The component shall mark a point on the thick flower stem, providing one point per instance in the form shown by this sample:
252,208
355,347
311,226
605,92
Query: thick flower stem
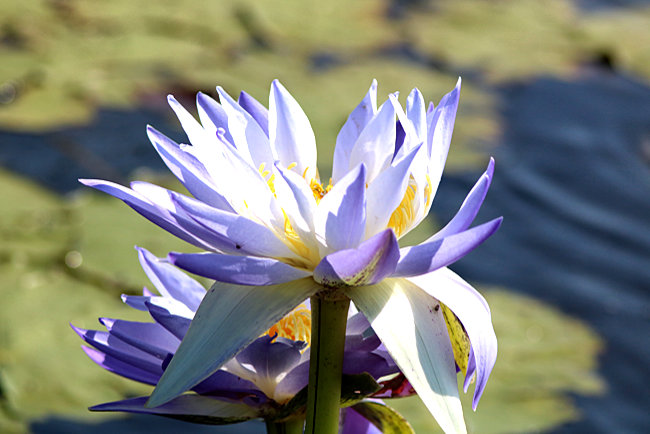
293,426
329,317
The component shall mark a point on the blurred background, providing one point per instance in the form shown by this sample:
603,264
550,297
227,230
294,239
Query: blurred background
557,91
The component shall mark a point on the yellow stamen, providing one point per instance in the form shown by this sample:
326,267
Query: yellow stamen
402,219
295,326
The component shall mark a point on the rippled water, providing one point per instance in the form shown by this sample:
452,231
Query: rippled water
573,184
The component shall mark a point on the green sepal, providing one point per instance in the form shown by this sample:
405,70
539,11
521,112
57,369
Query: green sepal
386,419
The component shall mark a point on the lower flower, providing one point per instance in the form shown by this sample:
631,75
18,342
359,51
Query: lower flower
267,379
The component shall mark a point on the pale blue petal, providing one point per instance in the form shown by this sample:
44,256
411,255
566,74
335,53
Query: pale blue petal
415,112
213,116
350,131
150,211
170,281
472,311
415,333
229,318
246,236
340,218
256,110
251,141
427,257
439,135
369,263
188,169
386,192
241,270
470,207
191,406
194,130
290,132
375,146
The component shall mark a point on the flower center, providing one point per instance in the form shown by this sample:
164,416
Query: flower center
405,214
295,326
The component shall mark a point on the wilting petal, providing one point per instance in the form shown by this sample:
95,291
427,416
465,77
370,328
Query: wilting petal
472,311
406,320
256,110
430,256
290,132
349,134
190,407
340,218
229,318
373,260
170,281
376,143
470,207
380,418
188,169
241,270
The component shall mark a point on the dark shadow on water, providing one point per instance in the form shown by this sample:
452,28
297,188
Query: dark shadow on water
572,181
134,424
110,147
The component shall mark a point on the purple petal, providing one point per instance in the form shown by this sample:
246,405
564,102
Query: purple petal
121,368
227,385
372,261
357,362
175,324
355,423
256,110
349,134
269,357
188,169
247,236
149,337
341,215
142,205
375,146
112,346
212,115
439,135
470,207
170,281
251,141
241,270
290,132
294,381
472,311
415,112
193,406
430,256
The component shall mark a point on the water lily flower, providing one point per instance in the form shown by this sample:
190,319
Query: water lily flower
274,235
259,382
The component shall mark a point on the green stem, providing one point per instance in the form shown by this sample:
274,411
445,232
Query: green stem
328,321
293,426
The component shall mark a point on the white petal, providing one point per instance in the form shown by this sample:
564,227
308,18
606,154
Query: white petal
350,131
376,143
290,132
249,138
415,333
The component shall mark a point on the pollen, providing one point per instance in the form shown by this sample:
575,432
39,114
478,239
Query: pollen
405,214
295,326
317,188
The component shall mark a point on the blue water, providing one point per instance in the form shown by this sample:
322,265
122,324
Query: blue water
573,184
